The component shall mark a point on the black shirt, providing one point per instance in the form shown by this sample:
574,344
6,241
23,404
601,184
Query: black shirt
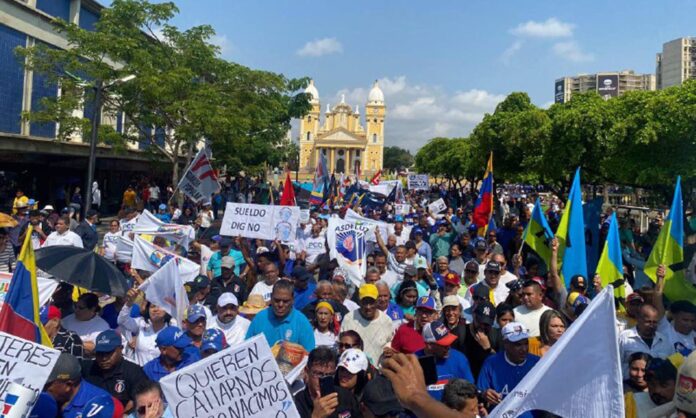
347,404
236,286
340,311
467,344
68,342
120,381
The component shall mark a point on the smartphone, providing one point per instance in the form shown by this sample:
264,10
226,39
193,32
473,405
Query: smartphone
326,386
427,363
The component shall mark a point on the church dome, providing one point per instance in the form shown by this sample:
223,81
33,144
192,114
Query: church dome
311,89
376,95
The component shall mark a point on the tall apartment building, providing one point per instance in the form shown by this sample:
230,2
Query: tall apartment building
676,63
608,85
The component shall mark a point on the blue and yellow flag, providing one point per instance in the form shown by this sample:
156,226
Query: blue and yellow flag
610,265
537,235
571,235
669,250
20,311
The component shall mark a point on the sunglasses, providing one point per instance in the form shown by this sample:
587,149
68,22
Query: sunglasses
345,346
471,271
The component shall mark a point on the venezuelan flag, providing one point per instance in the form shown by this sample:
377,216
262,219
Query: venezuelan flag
20,311
320,184
537,235
669,250
610,266
483,208
571,235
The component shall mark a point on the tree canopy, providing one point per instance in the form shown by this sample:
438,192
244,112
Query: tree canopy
396,158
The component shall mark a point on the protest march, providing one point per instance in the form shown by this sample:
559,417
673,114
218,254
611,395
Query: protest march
366,304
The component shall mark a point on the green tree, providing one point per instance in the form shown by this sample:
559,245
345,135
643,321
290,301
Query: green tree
449,158
396,158
183,92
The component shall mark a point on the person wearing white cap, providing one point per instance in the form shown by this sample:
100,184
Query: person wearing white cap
502,371
228,321
351,371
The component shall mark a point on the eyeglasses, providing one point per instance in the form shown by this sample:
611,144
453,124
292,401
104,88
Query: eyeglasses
319,374
346,346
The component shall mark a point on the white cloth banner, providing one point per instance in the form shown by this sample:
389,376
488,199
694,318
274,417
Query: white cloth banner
24,362
165,288
418,182
353,216
46,287
149,224
347,245
437,206
384,187
124,249
260,221
199,181
580,376
149,257
239,381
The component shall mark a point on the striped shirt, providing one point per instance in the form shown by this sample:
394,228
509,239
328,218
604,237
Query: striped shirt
7,259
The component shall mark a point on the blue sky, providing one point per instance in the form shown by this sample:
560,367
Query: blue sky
442,64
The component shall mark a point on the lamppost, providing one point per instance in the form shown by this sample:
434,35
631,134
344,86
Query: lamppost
99,89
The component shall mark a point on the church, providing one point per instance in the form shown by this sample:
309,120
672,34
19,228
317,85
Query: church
348,146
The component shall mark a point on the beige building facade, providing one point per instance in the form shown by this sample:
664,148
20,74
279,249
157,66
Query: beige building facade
607,84
676,63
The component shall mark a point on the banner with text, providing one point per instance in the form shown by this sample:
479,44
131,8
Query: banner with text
355,217
437,206
149,257
149,224
24,362
240,381
347,241
199,181
260,221
46,288
418,182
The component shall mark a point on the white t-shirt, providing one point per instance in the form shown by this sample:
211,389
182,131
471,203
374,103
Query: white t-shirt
206,218
390,278
145,345
154,193
87,330
530,319
109,243
676,339
206,253
314,247
350,305
263,289
68,238
235,331
327,338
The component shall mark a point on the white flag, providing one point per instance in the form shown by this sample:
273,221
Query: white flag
149,224
354,216
149,257
165,288
347,246
580,376
199,180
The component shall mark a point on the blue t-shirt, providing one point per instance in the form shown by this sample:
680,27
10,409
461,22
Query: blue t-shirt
502,376
295,328
87,391
164,217
215,262
456,365
155,371
303,297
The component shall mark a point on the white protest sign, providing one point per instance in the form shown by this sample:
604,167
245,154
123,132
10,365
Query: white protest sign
24,362
149,257
149,224
347,246
260,221
46,287
240,381
402,209
354,217
418,182
304,216
437,206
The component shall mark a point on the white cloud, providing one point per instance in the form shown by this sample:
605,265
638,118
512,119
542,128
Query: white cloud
319,47
507,55
419,112
551,28
571,51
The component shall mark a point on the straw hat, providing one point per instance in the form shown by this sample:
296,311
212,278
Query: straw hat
253,305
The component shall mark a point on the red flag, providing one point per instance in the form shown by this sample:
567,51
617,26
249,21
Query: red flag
288,198
376,177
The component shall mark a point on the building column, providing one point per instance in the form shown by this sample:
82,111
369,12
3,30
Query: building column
348,164
332,164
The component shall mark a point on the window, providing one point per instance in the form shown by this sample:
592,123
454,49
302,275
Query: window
340,152
374,138
357,153
309,136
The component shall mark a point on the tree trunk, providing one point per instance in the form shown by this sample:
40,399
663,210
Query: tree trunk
175,172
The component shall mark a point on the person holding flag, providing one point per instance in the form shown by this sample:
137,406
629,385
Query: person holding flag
483,208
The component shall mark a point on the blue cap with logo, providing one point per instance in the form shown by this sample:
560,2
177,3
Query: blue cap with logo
213,339
172,337
101,406
426,302
107,341
195,312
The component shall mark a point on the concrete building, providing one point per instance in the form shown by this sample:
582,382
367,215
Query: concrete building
676,63
342,139
609,84
30,155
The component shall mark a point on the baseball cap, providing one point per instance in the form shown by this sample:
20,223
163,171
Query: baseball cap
90,213
452,278
493,266
48,208
417,230
227,262
103,406
514,332
368,290
634,297
195,312
682,306
162,206
107,341
575,299
213,339
437,332
398,218
379,397
216,238
421,263
426,302
480,245
49,312
538,280
451,300
201,281
67,368
225,242
227,298
685,390
485,313
353,360
300,273
481,292
172,337
410,271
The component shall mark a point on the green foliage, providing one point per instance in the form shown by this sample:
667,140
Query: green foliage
452,159
396,158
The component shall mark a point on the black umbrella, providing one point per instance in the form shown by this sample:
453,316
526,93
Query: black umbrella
82,268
